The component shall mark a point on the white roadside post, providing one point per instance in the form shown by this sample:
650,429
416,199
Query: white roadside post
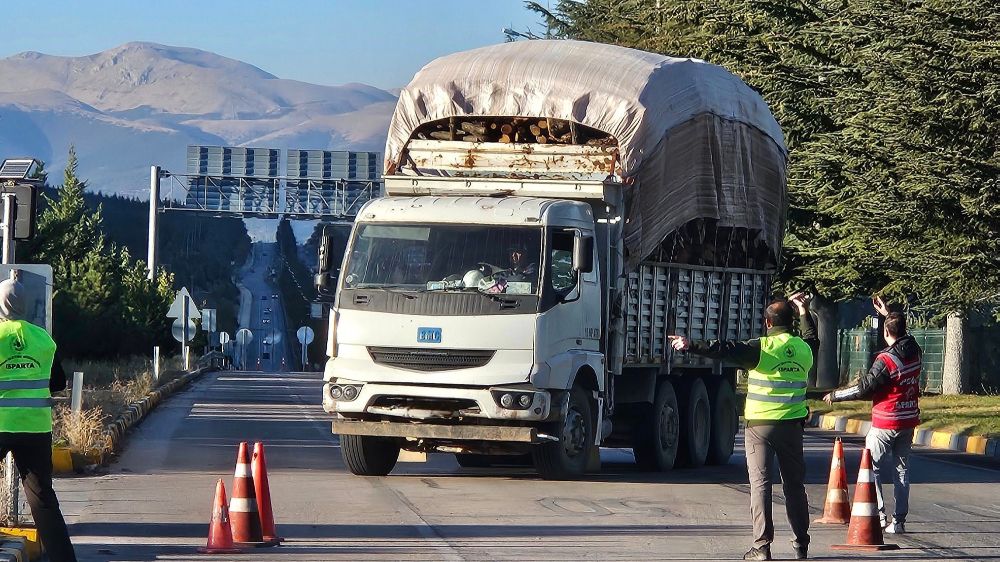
156,363
76,399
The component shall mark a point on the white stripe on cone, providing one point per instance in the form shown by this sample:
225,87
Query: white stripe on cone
242,470
865,475
836,496
863,509
243,505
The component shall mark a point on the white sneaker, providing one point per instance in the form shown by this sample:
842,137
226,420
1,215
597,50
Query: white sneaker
895,528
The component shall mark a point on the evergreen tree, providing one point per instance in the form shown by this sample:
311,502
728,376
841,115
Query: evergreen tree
890,111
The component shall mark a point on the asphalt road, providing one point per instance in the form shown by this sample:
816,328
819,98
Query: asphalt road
265,320
155,502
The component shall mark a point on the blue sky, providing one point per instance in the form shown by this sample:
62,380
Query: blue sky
377,42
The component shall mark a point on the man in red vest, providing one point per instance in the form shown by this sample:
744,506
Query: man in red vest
893,385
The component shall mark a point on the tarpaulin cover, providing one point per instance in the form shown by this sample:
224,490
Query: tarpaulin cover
696,141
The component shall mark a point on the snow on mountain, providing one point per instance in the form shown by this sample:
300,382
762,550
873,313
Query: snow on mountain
141,104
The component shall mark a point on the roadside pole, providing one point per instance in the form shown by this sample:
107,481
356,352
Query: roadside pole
154,201
9,208
185,316
156,363
76,399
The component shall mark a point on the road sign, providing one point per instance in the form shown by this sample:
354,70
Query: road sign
244,337
208,319
224,338
178,330
305,335
177,308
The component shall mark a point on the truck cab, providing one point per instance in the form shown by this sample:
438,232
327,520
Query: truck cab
466,309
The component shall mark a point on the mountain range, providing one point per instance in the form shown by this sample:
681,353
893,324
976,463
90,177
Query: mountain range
140,104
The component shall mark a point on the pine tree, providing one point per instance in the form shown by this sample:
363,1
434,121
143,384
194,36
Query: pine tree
891,111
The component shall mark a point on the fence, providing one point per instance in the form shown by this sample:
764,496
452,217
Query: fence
857,349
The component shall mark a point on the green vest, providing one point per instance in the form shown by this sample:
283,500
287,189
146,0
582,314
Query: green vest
26,355
776,387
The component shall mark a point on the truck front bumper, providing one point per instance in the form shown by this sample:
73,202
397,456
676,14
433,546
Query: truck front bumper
440,432
436,402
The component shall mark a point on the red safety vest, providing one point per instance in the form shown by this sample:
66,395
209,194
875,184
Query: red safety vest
894,406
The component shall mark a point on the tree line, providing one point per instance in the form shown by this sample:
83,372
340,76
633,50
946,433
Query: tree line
890,110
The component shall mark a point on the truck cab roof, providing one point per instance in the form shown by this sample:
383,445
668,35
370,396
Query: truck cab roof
479,210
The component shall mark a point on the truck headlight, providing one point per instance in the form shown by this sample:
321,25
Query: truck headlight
512,399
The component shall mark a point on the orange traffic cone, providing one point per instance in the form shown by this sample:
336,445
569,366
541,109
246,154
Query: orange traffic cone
837,509
864,532
220,534
263,491
243,506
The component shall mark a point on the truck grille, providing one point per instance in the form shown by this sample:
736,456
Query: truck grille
422,359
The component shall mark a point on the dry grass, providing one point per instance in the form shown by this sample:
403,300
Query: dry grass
108,387
81,432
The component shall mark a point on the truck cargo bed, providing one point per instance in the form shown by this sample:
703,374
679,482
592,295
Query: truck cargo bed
701,303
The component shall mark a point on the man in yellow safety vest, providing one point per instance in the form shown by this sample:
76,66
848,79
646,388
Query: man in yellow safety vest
778,365
28,376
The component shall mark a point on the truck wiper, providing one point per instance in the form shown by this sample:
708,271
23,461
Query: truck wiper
392,288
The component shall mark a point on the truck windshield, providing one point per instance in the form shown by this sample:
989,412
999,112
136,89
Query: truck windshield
487,259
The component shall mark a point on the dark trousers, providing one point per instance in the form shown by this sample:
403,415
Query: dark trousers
763,443
33,457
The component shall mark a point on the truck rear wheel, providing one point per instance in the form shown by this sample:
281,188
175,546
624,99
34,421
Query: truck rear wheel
696,418
567,459
368,456
724,424
657,434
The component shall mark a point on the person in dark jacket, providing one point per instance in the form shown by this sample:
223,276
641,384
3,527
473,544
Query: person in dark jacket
778,365
893,386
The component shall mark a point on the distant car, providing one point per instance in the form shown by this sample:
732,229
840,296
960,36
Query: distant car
274,296
267,310
266,321
263,297
265,355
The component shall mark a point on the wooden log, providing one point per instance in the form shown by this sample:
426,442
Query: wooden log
474,138
544,124
441,135
505,138
473,128
541,139
506,128
535,130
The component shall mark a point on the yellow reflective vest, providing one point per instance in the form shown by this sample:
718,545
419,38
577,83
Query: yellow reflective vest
776,387
26,355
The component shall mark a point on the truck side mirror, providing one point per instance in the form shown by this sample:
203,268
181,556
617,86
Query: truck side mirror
583,253
322,279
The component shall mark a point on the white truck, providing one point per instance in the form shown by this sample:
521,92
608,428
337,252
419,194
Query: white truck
554,210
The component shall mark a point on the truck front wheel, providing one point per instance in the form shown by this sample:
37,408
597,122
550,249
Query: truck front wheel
658,432
567,458
368,456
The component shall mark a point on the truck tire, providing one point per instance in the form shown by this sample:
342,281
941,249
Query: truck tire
657,433
368,456
468,460
567,459
696,418
725,422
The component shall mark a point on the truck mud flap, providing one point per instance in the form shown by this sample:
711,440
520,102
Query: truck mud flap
452,432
